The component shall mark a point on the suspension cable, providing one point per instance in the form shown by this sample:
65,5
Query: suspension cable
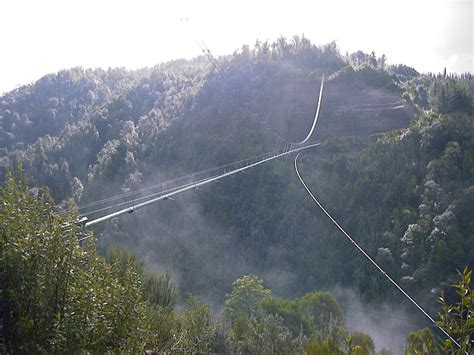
146,197
155,186
310,133
288,147
367,255
194,185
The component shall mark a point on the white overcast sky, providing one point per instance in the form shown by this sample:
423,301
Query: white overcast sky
44,36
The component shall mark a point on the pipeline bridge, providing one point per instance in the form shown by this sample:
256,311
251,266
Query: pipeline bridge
166,190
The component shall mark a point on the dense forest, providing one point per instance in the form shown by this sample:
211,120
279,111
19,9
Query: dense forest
248,265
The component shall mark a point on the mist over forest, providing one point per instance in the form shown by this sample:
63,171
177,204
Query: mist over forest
248,264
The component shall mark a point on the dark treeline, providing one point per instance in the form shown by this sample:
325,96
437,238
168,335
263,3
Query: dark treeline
395,168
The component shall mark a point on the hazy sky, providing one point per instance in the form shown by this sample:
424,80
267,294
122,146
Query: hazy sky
44,36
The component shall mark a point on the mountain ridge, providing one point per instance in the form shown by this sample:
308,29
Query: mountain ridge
118,130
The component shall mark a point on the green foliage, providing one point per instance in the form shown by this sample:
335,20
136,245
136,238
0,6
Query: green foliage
270,336
312,324
197,330
458,319
104,311
291,313
449,95
355,343
123,259
375,78
404,71
39,260
323,347
247,292
360,343
62,297
157,288
421,342
324,313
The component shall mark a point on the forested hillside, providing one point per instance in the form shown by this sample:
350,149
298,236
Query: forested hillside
395,167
